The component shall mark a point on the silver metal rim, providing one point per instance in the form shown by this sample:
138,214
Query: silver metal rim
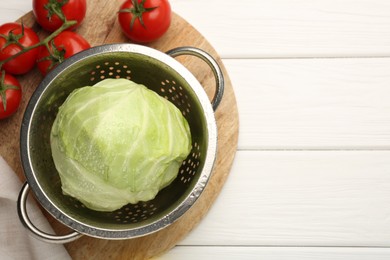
43,236
219,79
182,207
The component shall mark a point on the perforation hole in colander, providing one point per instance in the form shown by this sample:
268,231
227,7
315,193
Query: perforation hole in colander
175,93
171,201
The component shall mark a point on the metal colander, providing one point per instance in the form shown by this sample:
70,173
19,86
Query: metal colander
164,75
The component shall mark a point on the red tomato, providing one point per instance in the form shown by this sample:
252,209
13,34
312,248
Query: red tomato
10,34
62,47
144,21
47,12
10,95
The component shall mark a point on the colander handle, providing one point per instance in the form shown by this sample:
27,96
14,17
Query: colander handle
219,79
43,236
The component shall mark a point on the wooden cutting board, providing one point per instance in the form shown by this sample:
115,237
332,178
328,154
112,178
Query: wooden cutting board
99,27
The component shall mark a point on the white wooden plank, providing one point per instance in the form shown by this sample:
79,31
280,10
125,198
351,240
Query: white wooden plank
274,253
302,198
11,12
285,28
279,28
325,121
312,103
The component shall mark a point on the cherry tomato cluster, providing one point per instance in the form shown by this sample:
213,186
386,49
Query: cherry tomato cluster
142,21
21,49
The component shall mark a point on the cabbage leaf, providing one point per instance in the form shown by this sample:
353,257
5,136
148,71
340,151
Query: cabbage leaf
117,142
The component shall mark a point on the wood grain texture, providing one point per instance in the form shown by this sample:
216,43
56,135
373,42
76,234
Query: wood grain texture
275,253
99,27
312,104
285,28
301,198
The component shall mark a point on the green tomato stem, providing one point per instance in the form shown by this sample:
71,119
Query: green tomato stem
45,41
3,88
55,7
137,12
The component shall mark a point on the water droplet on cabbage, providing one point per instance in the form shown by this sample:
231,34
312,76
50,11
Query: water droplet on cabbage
117,142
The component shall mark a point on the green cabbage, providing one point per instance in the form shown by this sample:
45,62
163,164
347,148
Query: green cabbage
117,142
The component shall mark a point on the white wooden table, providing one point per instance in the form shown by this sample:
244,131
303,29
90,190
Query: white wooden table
311,178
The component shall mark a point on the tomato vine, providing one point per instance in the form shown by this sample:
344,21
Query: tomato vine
53,7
